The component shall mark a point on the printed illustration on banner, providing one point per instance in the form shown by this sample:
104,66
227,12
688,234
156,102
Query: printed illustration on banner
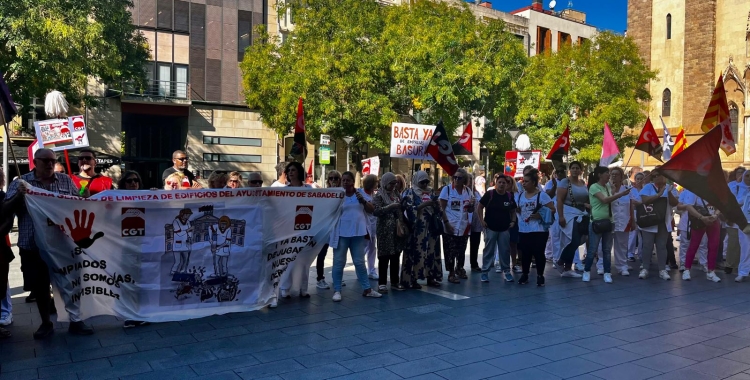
60,134
133,221
81,232
208,236
303,218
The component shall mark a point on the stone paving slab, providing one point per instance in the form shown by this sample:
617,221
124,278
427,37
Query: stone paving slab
632,329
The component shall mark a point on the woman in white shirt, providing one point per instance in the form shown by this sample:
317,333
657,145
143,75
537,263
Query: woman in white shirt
704,220
532,234
456,201
349,235
657,235
622,214
369,183
295,174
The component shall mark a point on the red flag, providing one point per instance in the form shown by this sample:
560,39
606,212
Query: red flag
680,143
441,150
310,170
32,150
648,141
699,170
462,147
300,144
717,114
561,147
366,167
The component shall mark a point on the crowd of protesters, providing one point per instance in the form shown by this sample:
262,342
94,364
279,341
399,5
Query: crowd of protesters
412,234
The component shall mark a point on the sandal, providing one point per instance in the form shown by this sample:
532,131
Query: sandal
462,274
4,334
452,279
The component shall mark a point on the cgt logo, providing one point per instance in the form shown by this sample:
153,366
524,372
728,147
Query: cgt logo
133,221
303,218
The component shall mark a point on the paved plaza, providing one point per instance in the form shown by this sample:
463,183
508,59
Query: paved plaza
630,330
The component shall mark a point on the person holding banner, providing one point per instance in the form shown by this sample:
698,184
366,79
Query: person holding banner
88,178
423,216
295,175
333,180
369,183
130,180
349,234
36,273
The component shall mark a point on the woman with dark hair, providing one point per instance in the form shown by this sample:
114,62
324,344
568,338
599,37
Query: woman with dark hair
573,193
295,174
130,180
532,234
660,195
601,228
333,180
497,221
456,201
349,235
624,223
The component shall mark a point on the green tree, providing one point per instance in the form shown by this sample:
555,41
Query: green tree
60,44
360,66
582,87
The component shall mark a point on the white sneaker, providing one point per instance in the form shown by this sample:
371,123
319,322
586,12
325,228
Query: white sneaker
517,269
686,275
571,274
274,303
600,271
667,268
736,279
497,264
705,268
625,273
6,320
711,276
608,278
498,269
643,274
337,297
682,267
373,276
372,293
664,275
586,276
322,284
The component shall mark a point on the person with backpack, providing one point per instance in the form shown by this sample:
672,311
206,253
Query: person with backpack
497,221
533,226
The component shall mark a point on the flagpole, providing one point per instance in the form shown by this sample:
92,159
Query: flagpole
631,156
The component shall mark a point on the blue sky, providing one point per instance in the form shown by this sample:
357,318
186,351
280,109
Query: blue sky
612,16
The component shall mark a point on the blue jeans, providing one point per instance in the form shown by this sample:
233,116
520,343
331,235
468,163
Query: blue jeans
606,240
356,245
6,307
496,242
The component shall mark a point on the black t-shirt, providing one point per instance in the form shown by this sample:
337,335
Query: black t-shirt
171,170
497,209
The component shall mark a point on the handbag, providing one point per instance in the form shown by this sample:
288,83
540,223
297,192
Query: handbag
401,229
696,223
547,217
649,215
583,226
603,226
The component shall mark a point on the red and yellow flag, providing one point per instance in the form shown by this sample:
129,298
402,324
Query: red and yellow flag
680,142
717,114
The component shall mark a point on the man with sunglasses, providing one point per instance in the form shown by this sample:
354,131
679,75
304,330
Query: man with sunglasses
88,178
35,271
180,164
254,179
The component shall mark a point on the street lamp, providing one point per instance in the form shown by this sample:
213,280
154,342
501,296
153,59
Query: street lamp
513,132
348,140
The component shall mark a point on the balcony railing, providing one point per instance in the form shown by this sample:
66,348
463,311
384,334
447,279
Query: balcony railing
159,90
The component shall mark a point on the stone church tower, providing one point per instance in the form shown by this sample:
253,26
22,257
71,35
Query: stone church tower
690,43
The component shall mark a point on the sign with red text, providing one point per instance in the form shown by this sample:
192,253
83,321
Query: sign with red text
162,256
61,134
411,140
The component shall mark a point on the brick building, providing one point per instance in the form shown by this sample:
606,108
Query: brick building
690,43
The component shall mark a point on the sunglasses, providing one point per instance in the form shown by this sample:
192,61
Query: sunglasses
136,180
256,182
85,158
47,160
237,181
425,181
181,158
458,177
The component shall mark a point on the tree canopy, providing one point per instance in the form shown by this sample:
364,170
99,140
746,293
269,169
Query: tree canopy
361,66
583,87
60,44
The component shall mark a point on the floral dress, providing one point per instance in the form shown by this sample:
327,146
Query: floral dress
421,257
389,243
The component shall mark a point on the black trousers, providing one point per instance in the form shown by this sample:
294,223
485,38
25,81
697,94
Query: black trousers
36,277
320,265
474,240
532,245
384,262
671,259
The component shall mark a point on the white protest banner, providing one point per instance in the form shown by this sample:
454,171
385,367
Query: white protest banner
411,140
56,134
172,255
527,158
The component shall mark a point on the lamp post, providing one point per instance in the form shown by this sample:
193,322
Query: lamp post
348,140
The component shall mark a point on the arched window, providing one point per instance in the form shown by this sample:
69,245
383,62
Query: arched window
669,26
734,117
666,103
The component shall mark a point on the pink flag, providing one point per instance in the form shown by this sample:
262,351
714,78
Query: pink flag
609,148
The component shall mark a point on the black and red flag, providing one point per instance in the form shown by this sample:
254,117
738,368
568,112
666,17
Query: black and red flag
561,147
6,102
648,141
300,144
699,170
441,150
462,147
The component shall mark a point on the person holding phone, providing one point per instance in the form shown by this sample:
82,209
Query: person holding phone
657,235
350,234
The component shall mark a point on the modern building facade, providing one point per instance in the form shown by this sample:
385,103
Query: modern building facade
691,43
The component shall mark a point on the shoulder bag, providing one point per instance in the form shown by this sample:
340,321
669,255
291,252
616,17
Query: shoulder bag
547,217
696,223
583,226
649,215
603,226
